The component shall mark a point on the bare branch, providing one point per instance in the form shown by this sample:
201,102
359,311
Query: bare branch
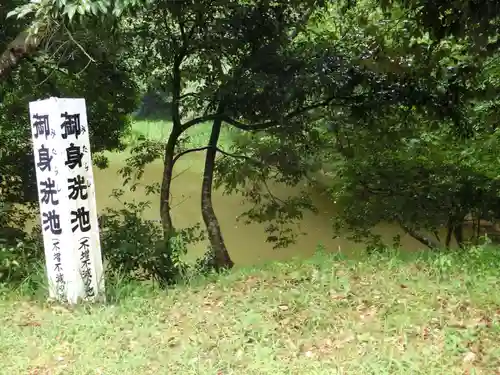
193,94
181,154
78,44
181,173
197,149
63,44
52,70
273,197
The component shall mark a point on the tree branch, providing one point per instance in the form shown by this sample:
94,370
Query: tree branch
264,182
254,127
198,120
431,244
181,154
78,45
239,156
184,96
184,38
185,152
269,124
22,46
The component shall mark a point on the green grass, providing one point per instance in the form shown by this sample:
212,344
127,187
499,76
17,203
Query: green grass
328,315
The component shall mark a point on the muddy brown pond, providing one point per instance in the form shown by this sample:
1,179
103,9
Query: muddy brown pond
246,243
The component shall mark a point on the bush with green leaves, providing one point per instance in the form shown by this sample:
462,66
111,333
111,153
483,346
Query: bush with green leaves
136,248
18,262
20,254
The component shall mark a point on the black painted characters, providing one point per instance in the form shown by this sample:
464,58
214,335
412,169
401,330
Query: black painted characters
74,197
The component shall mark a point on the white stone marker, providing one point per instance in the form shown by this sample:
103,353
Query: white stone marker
66,195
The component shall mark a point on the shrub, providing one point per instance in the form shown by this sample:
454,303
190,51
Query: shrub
20,260
20,253
135,247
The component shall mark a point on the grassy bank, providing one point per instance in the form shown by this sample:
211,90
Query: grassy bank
375,315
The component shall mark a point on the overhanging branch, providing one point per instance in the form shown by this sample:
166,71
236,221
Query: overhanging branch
22,46
431,244
269,124
188,151
266,186
264,182
255,127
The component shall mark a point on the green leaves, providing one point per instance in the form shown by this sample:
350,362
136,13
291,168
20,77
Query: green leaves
20,12
64,70
46,13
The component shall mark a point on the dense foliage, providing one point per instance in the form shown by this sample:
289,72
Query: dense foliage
395,102
62,70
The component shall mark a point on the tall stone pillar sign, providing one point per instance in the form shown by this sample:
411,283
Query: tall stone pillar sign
66,195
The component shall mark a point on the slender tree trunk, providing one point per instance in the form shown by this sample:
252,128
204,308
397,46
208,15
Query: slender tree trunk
478,230
164,270
221,255
168,157
449,232
21,47
166,183
458,232
455,227
472,237
436,234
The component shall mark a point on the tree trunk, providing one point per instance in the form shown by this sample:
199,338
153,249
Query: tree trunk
18,49
449,231
168,157
166,183
458,232
420,237
455,227
221,255
478,231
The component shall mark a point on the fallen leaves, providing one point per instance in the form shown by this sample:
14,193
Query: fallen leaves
309,354
30,324
212,303
425,333
366,313
341,341
469,357
337,296
283,307
38,370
